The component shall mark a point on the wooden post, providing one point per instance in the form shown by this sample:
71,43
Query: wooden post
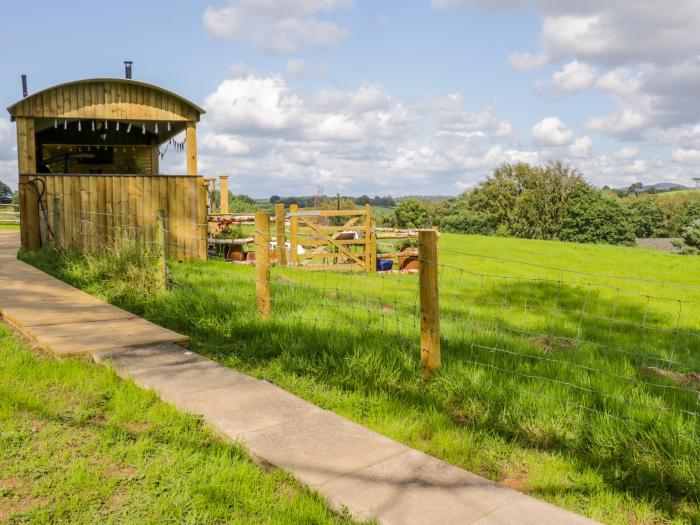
191,147
293,233
429,306
223,194
161,250
262,263
206,183
56,223
368,239
281,239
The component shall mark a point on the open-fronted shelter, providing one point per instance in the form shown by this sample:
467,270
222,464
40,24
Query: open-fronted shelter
96,145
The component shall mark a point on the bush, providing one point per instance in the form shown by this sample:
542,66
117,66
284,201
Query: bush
410,214
646,217
468,221
592,218
690,242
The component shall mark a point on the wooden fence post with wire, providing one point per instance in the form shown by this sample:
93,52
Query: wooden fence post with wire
262,263
280,238
293,233
429,305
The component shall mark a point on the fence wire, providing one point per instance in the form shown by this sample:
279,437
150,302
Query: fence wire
536,338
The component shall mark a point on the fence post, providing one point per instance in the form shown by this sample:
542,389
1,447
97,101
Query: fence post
223,194
56,226
368,238
293,233
280,238
429,307
161,250
262,263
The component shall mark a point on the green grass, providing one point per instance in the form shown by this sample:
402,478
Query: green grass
668,194
80,445
615,446
9,226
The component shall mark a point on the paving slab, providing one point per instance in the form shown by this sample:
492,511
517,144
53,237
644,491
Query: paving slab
176,382
237,409
414,488
61,318
319,447
78,338
136,358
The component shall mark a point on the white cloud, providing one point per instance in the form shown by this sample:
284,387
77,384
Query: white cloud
551,131
644,54
687,156
254,105
354,141
626,153
574,76
222,143
279,26
607,32
581,147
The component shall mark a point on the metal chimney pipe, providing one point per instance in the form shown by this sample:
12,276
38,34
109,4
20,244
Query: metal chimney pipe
25,92
127,68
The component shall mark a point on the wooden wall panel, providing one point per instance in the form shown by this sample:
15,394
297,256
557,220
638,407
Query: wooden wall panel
106,210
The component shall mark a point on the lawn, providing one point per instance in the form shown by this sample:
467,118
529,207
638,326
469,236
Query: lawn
9,226
570,385
80,445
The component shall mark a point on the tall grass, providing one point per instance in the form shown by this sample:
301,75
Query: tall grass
545,383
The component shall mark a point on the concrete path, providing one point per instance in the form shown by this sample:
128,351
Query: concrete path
353,467
62,319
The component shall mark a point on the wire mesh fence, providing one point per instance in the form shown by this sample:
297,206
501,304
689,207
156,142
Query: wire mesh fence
522,340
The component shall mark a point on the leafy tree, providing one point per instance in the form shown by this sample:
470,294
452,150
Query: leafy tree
527,201
274,199
410,214
636,188
647,217
15,198
362,200
592,218
5,193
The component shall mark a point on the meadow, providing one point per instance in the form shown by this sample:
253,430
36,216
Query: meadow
80,445
567,369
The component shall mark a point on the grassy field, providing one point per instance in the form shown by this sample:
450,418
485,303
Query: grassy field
80,445
571,386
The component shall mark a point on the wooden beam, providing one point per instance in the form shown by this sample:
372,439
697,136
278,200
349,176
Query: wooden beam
191,147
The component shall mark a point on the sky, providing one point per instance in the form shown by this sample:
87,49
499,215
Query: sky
377,97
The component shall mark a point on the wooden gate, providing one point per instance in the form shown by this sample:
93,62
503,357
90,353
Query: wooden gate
332,239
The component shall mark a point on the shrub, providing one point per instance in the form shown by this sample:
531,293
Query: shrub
410,214
468,221
690,241
646,217
592,218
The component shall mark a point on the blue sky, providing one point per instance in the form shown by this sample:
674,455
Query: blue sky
423,96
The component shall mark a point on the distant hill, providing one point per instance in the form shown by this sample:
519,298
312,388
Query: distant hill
664,186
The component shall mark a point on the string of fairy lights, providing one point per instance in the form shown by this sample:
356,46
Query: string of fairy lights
100,126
